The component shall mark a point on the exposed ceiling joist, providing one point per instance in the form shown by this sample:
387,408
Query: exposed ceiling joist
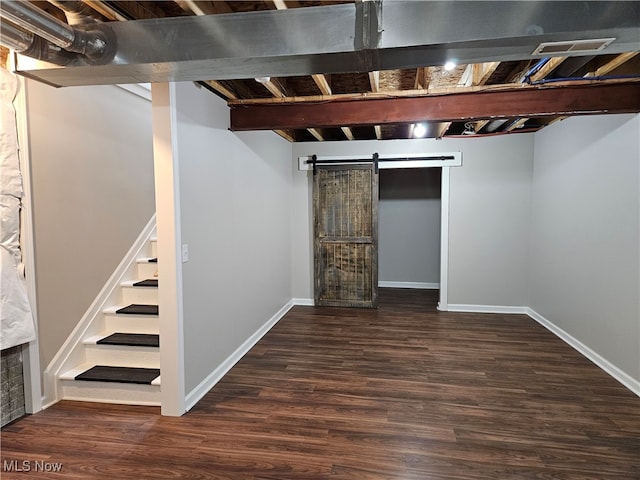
322,83
482,72
316,134
347,133
522,102
274,86
220,88
374,81
614,63
378,131
547,68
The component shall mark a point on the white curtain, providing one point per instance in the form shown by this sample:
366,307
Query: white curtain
15,313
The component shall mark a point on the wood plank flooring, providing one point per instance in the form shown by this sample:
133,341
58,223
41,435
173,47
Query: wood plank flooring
401,392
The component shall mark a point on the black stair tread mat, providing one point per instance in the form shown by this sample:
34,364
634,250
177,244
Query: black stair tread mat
103,373
153,260
131,340
150,282
138,309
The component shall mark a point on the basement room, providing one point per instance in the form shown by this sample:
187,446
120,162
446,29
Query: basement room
320,240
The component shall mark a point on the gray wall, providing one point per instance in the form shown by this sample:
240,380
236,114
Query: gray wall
235,204
584,265
409,225
93,192
489,221
489,215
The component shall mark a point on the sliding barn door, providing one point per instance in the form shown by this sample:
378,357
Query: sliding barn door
345,201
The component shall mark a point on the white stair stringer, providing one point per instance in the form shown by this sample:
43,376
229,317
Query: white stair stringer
82,352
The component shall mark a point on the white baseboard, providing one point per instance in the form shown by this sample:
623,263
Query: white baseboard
305,302
622,377
214,377
461,307
416,285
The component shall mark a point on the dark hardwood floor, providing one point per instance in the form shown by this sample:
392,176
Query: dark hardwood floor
402,392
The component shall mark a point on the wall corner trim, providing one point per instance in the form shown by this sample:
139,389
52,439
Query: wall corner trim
622,377
195,395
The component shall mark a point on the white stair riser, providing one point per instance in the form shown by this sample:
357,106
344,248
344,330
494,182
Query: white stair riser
108,392
123,356
144,295
131,323
147,270
154,248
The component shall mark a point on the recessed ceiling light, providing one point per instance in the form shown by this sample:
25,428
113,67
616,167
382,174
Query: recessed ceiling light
449,66
420,130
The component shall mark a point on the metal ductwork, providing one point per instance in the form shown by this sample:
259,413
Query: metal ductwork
94,42
27,43
356,37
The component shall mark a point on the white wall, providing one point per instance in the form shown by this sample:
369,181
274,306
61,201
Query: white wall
584,265
409,225
488,221
235,208
92,188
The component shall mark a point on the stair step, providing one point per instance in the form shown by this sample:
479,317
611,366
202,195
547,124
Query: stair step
131,339
138,309
129,323
137,295
105,373
150,282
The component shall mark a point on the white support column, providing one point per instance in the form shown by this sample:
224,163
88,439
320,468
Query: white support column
443,304
167,184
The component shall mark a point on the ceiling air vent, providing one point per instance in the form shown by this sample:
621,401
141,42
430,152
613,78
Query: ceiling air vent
572,46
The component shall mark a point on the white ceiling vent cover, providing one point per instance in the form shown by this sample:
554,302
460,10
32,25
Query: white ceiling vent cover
573,46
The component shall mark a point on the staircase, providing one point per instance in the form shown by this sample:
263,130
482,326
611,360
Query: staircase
117,359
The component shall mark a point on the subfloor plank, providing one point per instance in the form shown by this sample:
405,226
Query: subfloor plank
401,392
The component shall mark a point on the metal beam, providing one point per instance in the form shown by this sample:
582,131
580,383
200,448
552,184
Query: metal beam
354,37
522,102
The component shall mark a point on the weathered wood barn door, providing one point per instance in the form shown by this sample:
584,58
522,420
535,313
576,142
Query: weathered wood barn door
345,199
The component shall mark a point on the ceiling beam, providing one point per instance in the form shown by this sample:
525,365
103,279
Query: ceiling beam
522,102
